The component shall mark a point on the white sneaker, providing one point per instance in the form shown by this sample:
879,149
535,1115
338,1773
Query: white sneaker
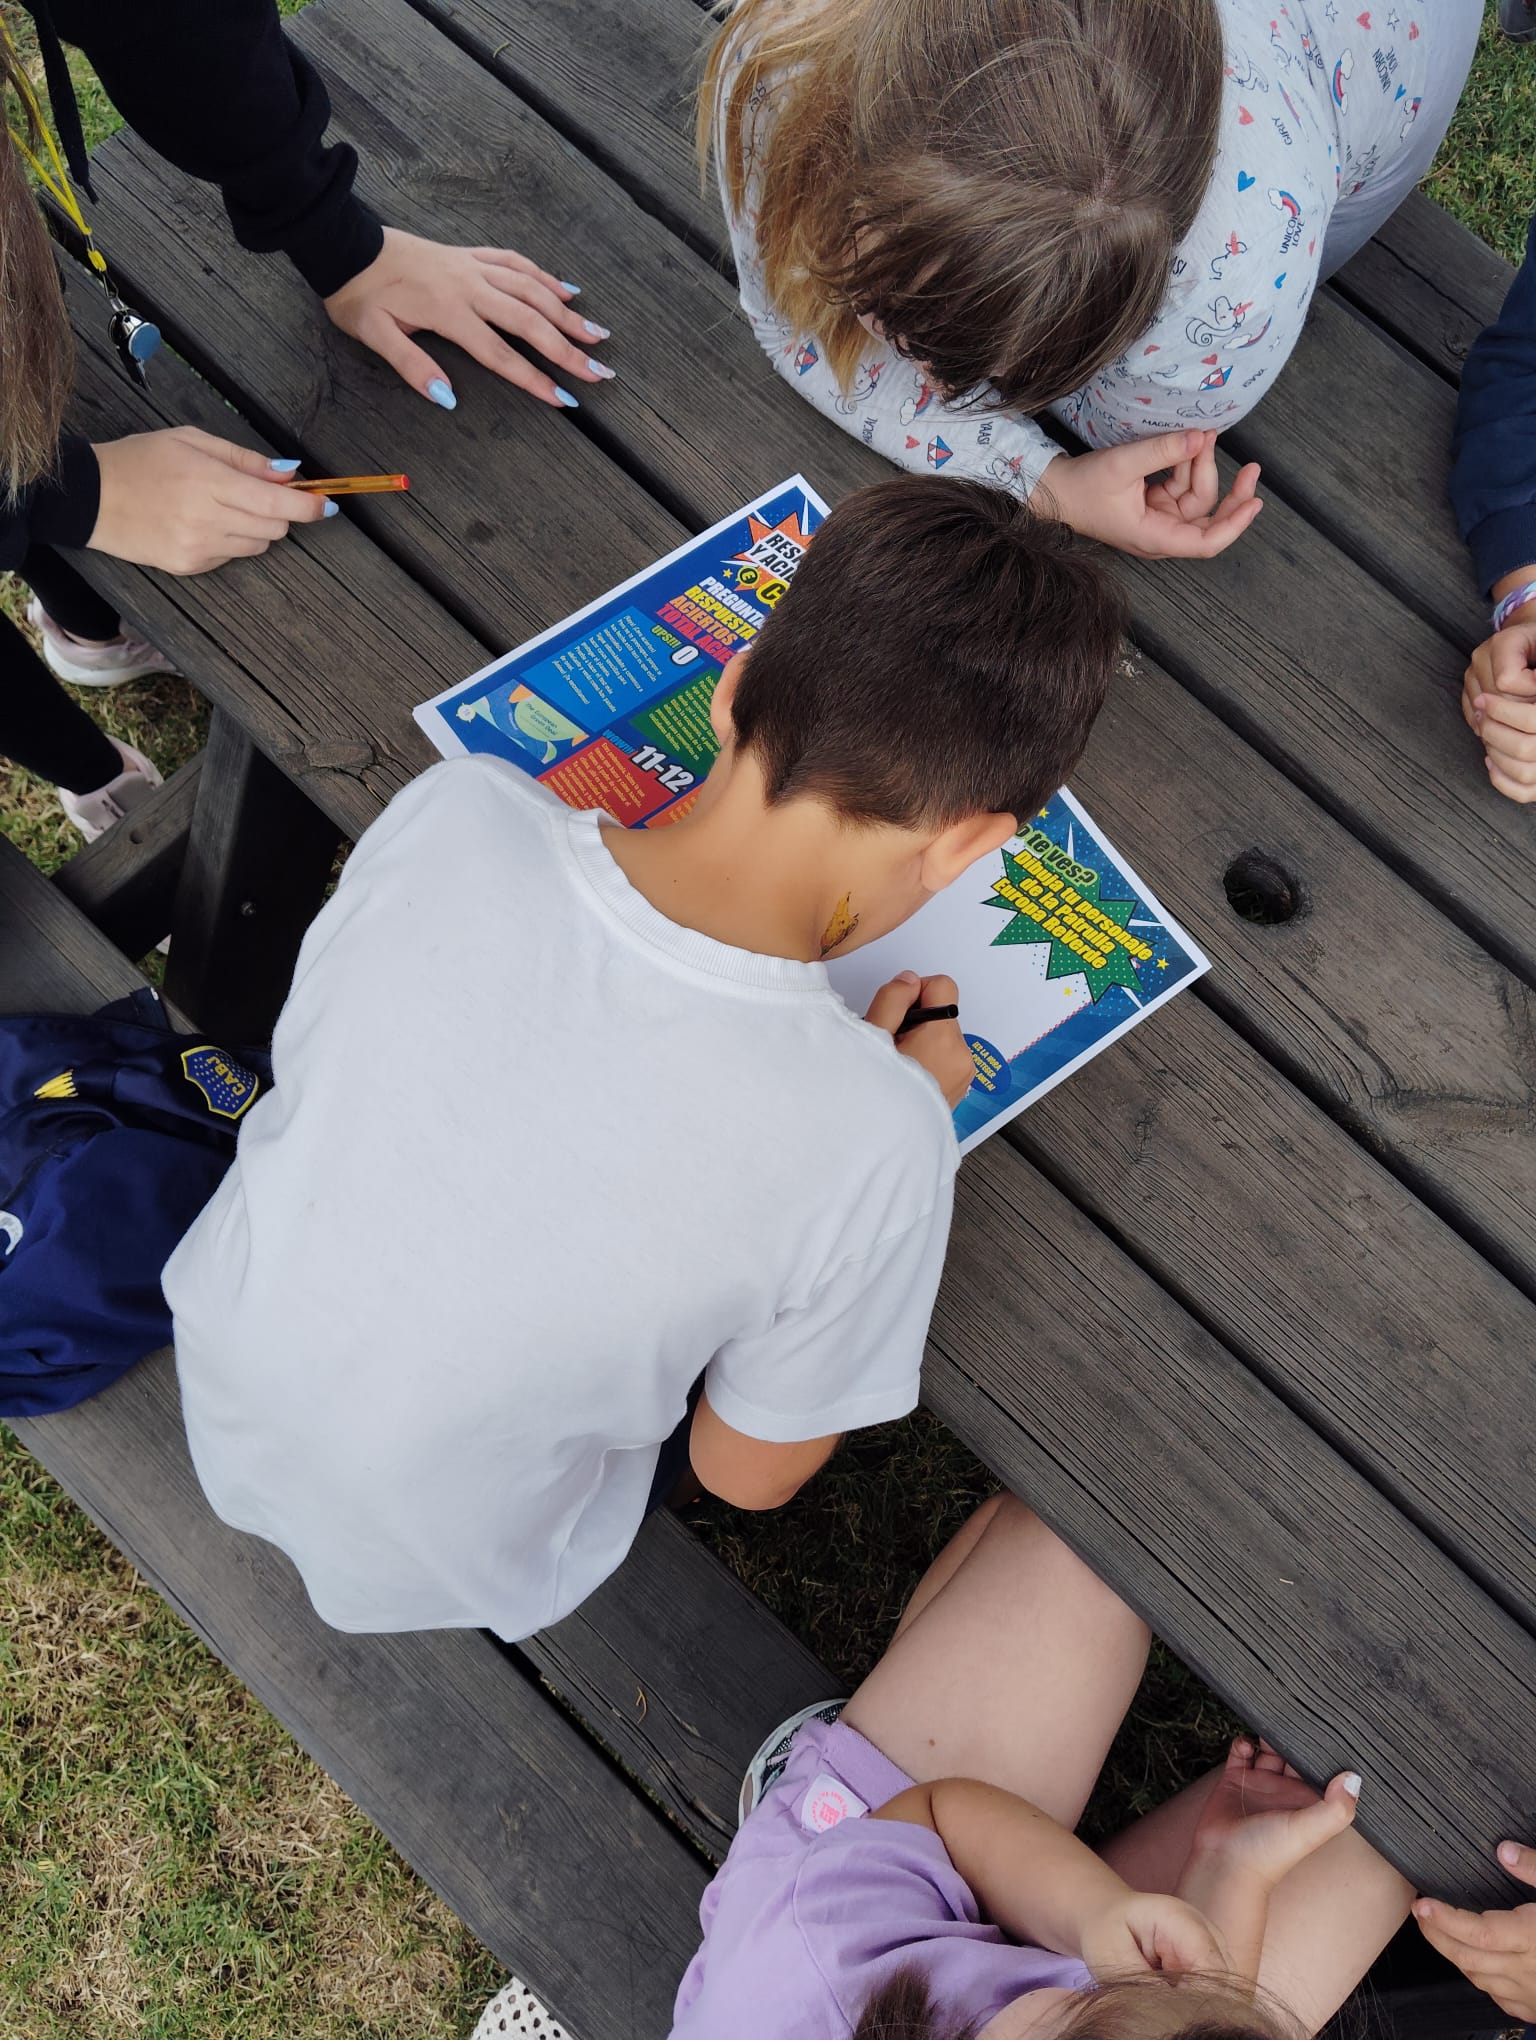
126,658
94,813
516,2014
768,1766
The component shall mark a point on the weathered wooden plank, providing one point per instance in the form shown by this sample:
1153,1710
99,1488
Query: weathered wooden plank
850,451
51,958
1370,730
1163,1427
1296,645
682,1672
1370,466
125,882
710,495
1391,1335
637,70
1403,1027
720,482
1306,656
1428,282
476,1777
1370,734
258,860
1272,1568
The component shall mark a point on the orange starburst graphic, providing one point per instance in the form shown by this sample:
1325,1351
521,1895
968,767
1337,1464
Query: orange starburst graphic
766,568
788,530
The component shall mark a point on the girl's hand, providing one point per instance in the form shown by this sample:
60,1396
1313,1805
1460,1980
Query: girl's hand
1146,1931
1498,699
1115,496
1496,1951
470,296
1264,1818
186,502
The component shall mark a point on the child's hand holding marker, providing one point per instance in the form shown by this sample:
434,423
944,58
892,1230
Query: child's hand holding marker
903,1009
471,296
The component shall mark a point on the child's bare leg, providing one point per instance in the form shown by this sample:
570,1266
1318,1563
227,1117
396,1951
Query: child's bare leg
1016,1668
1328,1921
1151,1853
948,1562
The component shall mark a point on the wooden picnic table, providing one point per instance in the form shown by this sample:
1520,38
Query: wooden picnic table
1248,1308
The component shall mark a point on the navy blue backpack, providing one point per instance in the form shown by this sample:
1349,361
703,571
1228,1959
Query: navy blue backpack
114,1133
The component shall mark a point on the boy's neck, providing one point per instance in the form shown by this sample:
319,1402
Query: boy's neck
790,880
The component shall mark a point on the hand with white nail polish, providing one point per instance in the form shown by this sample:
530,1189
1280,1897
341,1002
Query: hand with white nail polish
186,502
1260,1821
1263,1818
471,296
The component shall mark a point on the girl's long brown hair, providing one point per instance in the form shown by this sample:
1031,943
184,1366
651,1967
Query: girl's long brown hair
1002,184
37,353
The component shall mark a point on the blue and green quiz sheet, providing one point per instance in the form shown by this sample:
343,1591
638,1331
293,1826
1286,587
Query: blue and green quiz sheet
610,709
1056,945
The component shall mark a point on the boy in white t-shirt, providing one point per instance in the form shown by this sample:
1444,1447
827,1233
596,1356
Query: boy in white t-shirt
567,1119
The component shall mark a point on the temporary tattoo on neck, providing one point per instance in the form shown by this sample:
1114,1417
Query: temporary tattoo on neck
842,924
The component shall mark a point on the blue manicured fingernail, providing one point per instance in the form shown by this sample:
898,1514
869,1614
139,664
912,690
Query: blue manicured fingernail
571,289
566,398
598,332
440,393
601,370
283,467
330,507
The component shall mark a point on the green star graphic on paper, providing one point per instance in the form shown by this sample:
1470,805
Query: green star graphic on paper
1120,968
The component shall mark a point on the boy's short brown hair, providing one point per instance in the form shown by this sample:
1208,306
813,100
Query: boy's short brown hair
942,652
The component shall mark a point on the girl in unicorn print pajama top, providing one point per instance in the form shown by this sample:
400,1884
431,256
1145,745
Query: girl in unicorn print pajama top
1116,213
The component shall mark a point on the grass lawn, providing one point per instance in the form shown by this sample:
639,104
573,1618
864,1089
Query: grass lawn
172,1867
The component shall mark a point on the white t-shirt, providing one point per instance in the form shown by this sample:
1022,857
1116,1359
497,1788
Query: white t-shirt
535,1158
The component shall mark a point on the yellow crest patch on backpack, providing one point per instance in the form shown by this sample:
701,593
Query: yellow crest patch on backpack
228,1086
61,1086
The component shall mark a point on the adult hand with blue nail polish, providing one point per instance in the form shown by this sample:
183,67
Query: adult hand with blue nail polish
471,296
186,502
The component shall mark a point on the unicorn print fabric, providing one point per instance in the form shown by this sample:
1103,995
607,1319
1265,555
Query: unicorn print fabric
1331,115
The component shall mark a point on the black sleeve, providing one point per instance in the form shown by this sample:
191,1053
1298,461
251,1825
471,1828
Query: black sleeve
59,510
217,89
1493,476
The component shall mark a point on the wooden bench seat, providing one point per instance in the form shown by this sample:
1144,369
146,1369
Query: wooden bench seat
52,959
458,1747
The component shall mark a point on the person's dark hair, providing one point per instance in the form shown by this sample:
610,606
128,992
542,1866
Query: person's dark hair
903,2009
1147,2007
37,354
1003,186
942,652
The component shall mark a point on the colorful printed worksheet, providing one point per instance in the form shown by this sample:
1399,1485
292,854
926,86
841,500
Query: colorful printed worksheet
1056,945
610,709
1057,948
